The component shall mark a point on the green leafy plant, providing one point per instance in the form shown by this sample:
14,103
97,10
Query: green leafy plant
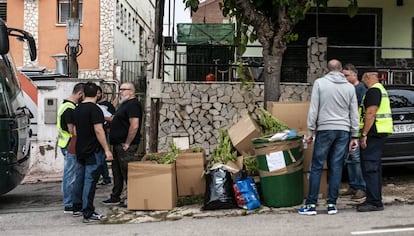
270,124
224,151
168,158
196,149
250,165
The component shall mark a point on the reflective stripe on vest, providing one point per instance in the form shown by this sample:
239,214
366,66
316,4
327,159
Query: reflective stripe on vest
383,117
64,136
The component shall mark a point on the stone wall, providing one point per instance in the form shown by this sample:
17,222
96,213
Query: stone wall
31,18
198,110
317,56
106,44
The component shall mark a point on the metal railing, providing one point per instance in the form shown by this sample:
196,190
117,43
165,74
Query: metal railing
135,72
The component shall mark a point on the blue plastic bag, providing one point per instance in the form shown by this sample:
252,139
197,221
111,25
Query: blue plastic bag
246,193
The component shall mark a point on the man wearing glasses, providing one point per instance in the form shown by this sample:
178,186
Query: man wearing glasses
124,136
356,180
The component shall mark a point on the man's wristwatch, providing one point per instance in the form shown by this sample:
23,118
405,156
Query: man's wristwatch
363,135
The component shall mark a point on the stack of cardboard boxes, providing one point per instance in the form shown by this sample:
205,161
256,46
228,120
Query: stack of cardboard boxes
156,186
295,115
153,186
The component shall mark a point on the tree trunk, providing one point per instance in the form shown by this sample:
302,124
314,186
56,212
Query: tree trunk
272,73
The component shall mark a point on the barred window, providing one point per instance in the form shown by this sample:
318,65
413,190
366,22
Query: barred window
64,11
141,41
3,10
118,14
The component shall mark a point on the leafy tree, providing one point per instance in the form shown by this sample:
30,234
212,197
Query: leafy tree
271,23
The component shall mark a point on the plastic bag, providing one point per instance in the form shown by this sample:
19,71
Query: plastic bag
219,190
246,193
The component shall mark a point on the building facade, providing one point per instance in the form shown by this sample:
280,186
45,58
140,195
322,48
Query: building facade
110,32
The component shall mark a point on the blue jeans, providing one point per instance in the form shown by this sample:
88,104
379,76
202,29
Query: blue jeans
353,162
87,175
68,179
331,146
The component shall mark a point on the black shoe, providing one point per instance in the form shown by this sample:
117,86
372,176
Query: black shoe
111,201
68,210
125,203
366,207
77,213
104,183
94,218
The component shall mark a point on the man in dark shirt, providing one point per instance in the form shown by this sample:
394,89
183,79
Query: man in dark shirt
124,136
376,124
90,146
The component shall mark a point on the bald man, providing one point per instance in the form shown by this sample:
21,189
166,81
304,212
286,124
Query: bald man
333,120
124,136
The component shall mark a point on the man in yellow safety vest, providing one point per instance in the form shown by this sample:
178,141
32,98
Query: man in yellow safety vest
375,125
65,126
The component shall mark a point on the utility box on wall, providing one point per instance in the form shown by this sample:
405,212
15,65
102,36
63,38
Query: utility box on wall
50,110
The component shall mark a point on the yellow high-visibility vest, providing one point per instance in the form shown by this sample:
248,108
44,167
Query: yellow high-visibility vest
383,117
64,136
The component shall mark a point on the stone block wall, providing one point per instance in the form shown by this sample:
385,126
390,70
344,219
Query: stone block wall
317,56
198,110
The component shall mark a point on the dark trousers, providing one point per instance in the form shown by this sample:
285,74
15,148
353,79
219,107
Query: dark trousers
371,169
120,167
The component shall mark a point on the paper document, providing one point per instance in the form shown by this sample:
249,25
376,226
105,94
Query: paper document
275,161
105,111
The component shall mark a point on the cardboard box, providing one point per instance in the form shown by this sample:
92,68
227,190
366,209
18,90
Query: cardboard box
242,133
151,186
293,114
323,187
234,167
190,167
307,158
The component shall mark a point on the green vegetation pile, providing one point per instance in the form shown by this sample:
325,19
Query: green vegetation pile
270,124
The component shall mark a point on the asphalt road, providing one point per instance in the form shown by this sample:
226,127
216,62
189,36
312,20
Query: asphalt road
36,209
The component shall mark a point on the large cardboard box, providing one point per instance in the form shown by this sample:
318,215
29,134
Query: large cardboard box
293,114
242,133
151,186
190,166
307,158
323,187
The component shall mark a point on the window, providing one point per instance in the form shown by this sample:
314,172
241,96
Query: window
124,21
64,11
141,41
3,10
118,14
129,26
8,80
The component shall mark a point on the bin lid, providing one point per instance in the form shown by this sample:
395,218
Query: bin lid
60,56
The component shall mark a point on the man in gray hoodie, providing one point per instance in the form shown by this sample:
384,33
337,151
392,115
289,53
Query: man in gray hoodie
333,119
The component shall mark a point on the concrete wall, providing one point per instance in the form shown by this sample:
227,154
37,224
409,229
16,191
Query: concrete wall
127,35
46,156
397,28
